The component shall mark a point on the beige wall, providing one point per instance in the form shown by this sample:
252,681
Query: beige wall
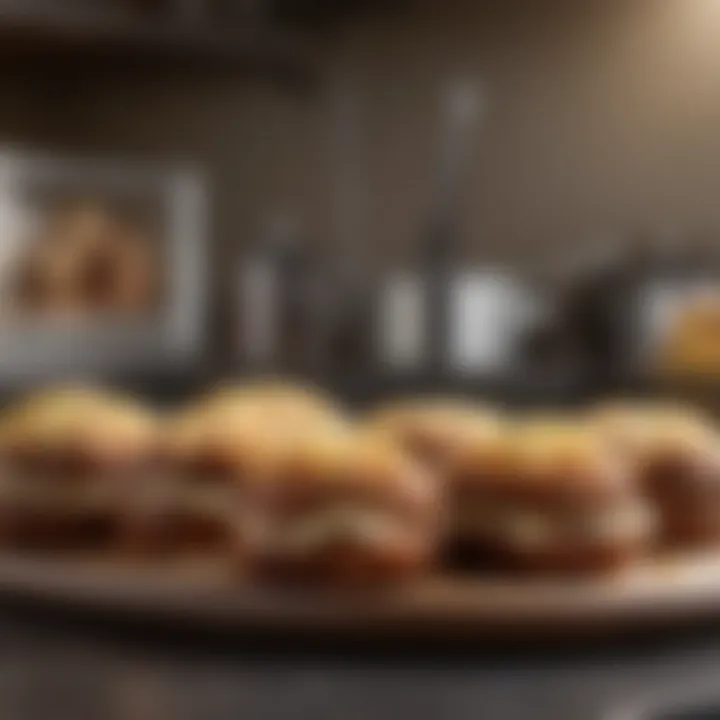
604,116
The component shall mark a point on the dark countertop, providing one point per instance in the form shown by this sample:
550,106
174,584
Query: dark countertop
55,667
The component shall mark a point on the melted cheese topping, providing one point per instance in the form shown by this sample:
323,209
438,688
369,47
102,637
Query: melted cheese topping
533,529
343,523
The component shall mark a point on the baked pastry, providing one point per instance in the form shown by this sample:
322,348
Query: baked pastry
120,276
546,495
284,405
87,258
344,507
675,457
630,424
47,283
211,457
69,457
208,456
432,430
80,226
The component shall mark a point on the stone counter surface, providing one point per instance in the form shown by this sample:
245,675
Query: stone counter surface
53,670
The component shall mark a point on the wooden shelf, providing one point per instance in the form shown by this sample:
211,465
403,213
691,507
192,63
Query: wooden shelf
323,12
126,40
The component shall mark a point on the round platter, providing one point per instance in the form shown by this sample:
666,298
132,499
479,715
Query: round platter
208,595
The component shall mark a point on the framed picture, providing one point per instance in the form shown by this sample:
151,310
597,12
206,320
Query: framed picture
102,264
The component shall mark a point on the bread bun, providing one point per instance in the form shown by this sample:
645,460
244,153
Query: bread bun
433,430
346,506
675,456
545,493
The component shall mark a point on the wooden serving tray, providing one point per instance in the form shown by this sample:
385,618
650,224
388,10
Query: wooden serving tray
206,594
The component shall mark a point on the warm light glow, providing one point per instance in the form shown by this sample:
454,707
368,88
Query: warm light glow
695,28
664,57
703,8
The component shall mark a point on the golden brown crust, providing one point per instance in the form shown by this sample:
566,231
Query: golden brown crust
432,429
47,416
280,403
489,455
546,494
347,506
554,463
68,454
647,427
79,421
675,451
226,439
332,465
121,429
246,428
230,441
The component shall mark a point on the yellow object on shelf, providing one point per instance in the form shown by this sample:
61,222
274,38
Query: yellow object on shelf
692,347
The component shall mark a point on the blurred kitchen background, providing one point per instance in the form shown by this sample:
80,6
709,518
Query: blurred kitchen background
519,199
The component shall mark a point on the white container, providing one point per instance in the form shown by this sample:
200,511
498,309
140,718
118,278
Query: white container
488,312
401,323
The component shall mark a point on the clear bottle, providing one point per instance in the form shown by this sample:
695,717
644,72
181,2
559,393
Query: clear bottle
280,302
